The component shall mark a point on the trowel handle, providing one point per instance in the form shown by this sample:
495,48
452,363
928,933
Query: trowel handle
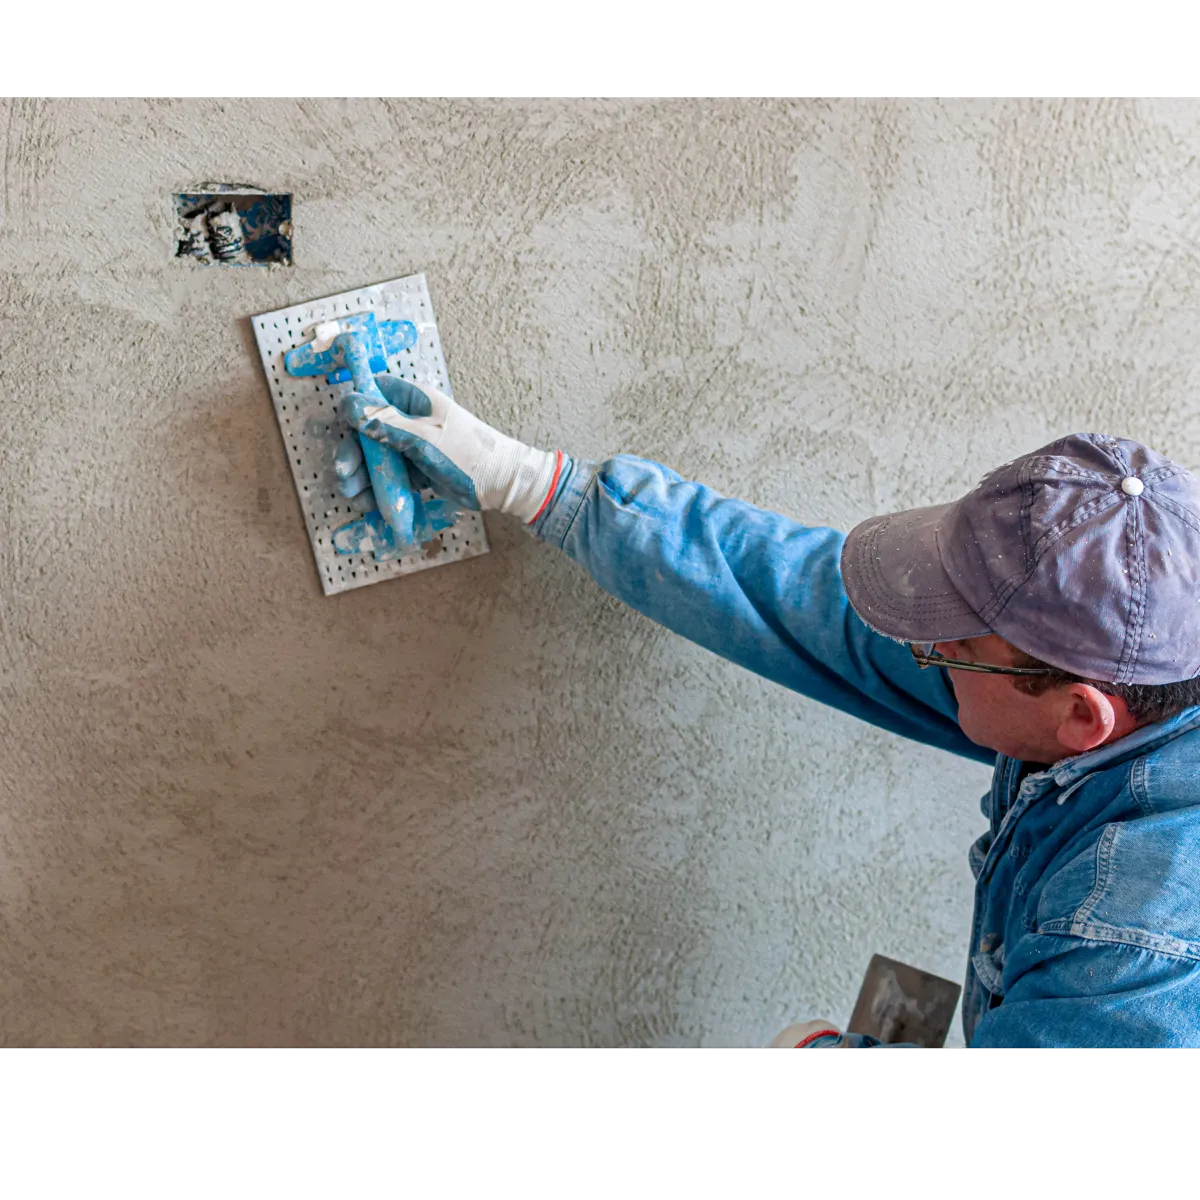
389,472
358,362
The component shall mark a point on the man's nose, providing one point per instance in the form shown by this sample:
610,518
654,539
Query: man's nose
946,649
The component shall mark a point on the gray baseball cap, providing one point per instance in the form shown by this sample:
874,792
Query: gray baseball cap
1085,554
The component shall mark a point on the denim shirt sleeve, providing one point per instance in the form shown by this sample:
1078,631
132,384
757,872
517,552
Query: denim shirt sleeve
1095,994
753,586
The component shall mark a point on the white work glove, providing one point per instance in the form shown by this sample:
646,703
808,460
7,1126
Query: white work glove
463,459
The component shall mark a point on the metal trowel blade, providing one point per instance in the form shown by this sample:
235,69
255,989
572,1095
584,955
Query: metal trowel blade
899,1003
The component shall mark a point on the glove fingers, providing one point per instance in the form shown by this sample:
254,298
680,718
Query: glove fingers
384,424
410,437
405,396
365,501
358,482
348,456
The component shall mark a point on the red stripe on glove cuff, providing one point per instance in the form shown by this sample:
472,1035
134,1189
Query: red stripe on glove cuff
553,486
812,1037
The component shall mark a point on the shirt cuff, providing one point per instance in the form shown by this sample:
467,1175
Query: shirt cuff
561,510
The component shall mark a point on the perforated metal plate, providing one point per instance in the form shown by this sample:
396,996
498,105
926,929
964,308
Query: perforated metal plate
307,410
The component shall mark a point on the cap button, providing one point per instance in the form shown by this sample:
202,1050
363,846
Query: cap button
1131,485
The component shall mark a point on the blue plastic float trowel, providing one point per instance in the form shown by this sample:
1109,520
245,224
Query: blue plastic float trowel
356,348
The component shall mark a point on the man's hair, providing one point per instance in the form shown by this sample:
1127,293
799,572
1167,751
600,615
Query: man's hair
1147,702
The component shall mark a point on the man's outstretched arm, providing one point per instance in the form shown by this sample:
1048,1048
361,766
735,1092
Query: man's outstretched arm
752,586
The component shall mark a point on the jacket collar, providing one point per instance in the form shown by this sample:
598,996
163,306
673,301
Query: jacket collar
1068,770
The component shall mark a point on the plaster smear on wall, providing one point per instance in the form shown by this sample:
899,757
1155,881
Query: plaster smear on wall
489,805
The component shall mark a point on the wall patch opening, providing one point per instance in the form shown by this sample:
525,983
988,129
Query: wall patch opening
233,225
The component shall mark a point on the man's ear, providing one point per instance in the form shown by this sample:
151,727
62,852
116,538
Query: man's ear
1089,717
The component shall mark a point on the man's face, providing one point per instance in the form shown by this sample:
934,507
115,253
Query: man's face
993,713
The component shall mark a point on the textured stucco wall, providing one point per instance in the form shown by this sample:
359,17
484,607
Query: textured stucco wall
487,805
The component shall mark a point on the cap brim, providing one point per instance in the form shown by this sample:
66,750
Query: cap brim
896,582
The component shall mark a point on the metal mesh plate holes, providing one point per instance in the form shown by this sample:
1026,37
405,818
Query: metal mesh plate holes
307,410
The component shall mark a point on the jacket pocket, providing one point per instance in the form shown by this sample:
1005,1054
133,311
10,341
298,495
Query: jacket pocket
989,967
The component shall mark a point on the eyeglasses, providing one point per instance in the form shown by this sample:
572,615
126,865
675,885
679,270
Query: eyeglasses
931,658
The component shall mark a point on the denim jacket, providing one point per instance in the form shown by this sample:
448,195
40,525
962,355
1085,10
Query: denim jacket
1087,898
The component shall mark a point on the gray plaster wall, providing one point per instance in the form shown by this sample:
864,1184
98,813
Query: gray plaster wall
487,805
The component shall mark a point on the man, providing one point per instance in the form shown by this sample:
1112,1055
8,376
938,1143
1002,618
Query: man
1048,621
